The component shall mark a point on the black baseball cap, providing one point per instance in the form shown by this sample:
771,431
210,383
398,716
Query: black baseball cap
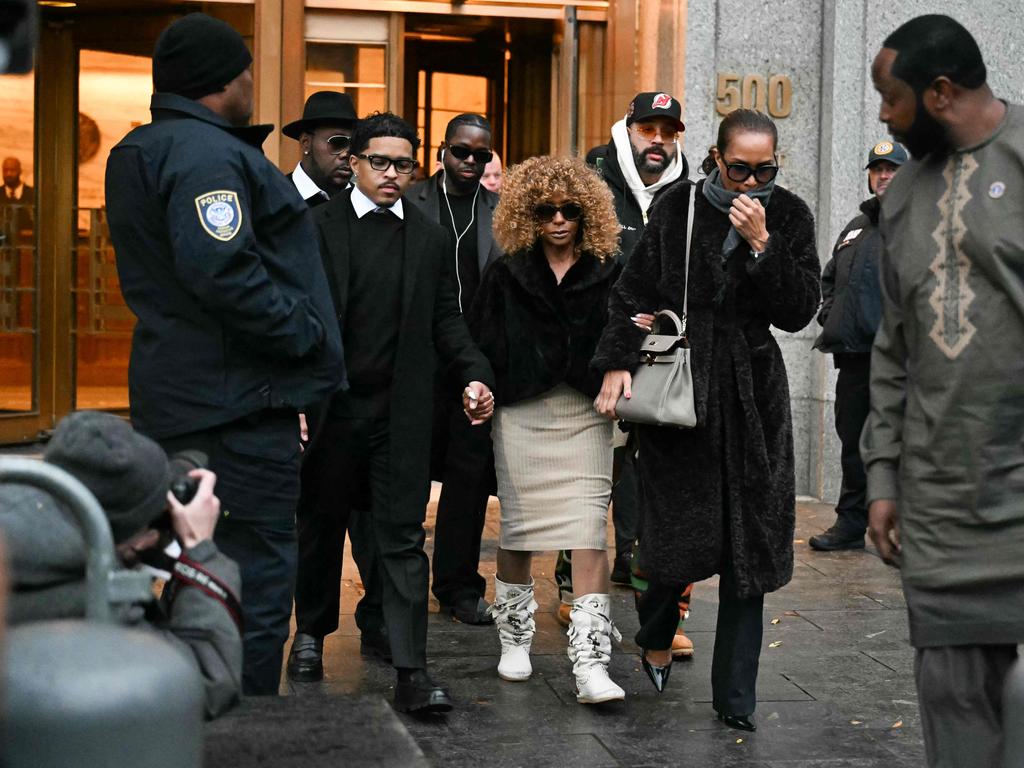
651,104
889,151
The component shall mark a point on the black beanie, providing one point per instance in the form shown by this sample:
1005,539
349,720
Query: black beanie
126,472
198,55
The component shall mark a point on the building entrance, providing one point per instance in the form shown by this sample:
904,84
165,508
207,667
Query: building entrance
497,67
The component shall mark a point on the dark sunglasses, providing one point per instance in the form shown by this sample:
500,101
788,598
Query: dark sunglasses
403,165
741,172
481,156
546,211
338,144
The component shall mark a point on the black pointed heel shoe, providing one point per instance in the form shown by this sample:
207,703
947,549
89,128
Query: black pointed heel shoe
739,722
658,675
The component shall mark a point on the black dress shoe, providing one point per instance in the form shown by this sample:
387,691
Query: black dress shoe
306,660
375,644
739,722
622,569
837,538
417,694
470,610
658,675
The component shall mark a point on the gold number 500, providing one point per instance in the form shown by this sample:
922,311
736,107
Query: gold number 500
774,96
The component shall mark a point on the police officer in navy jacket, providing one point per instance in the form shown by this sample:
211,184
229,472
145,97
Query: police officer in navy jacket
217,258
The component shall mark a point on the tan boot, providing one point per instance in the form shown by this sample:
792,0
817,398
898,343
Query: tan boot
682,646
564,609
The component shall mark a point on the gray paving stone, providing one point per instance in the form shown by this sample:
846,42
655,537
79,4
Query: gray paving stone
837,691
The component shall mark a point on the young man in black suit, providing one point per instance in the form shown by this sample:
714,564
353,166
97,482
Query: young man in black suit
387,267
462,458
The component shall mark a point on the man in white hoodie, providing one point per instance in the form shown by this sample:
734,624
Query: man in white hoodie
640,161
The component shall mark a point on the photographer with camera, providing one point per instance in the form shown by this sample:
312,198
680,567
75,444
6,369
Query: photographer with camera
129,474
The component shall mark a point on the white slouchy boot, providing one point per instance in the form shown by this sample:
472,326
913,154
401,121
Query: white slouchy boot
512,610
590,647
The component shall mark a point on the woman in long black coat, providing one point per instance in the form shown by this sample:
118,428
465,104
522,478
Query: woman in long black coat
719,498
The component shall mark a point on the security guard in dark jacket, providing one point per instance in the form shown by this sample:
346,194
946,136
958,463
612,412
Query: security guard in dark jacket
850,313
216,257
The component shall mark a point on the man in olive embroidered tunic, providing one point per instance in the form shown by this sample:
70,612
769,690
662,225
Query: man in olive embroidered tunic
943,445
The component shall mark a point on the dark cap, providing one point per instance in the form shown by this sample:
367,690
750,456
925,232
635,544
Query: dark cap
648,105
198,55
126,472
889,151
323,108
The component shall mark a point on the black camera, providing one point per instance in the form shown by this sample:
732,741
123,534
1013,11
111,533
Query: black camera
182,486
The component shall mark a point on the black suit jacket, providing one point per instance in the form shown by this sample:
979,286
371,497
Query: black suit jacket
427,198
313,201
431,328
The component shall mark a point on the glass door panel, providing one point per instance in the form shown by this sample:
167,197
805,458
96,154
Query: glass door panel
114,91
19,265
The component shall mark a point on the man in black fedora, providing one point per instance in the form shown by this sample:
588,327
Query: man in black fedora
323,131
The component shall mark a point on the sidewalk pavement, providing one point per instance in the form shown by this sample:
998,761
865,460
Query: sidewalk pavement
835,689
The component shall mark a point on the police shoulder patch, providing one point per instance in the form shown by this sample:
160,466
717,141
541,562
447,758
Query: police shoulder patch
220,213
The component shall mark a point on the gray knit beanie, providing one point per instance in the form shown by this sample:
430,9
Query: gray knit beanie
126,472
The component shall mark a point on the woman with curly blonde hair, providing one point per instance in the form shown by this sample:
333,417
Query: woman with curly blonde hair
537,317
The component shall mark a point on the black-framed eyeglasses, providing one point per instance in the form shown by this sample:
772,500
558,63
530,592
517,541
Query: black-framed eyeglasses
481,156
740,172
338,144
648,131
545,212
403,165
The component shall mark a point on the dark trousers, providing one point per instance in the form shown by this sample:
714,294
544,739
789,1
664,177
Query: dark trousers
256,460
357,451
737,640
322,528
960,693
624,497
853,403
463,460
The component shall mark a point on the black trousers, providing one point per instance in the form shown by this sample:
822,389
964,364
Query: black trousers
624,497
322,528
463,460
853,404
738,635
358,475
256,460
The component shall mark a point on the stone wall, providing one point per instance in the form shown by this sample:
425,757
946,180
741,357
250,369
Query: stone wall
826,48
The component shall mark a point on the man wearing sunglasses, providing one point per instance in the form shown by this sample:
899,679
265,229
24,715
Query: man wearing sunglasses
638,164
461,455
394,298
323,132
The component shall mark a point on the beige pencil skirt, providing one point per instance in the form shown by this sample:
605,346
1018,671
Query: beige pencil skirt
553,459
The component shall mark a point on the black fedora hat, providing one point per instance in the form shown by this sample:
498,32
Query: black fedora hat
321,108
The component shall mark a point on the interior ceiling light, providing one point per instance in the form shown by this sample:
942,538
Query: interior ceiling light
57,3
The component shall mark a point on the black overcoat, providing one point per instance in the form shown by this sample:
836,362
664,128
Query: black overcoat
431,329
720,496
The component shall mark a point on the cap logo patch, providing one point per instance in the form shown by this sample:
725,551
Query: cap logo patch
220,213
997,190
661,101
883,148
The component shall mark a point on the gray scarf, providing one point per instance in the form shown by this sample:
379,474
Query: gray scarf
721,198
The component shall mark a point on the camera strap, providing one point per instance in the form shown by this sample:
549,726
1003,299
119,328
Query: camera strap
189,573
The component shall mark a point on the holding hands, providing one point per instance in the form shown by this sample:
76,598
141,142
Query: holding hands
747,215
477,402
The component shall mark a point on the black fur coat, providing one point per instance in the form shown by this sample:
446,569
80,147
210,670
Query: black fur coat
722,495
536,332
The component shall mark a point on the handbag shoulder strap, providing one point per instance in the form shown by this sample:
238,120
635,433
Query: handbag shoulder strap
689,238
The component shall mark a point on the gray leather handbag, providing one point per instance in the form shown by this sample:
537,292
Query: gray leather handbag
662,389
